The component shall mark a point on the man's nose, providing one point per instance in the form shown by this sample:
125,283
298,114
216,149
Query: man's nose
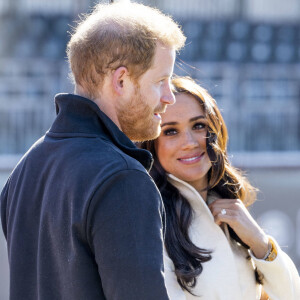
168,96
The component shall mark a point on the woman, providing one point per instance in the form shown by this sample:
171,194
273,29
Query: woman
214,248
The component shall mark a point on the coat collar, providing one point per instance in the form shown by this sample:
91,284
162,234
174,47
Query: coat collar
79,116
191,194
197,203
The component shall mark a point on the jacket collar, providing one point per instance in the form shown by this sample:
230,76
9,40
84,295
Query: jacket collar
191,194
79,116
197,203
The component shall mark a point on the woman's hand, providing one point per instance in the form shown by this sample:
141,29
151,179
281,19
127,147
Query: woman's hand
240,220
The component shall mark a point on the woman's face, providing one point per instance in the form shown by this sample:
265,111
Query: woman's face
181,146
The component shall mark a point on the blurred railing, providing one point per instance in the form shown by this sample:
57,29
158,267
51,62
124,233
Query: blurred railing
202,9
41,7
271,10
260,103
266,10
27,89
252,69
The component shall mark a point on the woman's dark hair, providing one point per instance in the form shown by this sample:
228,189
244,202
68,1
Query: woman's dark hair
223,178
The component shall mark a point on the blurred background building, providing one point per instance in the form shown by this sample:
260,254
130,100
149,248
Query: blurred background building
245,52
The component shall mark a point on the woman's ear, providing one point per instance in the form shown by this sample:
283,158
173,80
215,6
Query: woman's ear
120,80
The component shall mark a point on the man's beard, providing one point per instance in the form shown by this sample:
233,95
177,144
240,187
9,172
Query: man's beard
137,119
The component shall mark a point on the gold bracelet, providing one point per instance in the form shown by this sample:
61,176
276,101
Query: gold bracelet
271,255
269,250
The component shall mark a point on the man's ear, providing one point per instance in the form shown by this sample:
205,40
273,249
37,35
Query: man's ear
120,80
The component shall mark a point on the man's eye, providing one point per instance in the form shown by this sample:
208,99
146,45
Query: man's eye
170,131
165,81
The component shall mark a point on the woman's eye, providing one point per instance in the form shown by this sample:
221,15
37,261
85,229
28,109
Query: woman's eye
199,126
170,131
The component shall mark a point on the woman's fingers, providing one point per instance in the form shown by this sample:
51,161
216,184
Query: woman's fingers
231,211
228,216
224,205
234,213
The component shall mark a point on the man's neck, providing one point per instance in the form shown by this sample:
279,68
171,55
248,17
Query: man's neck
106,105
108,109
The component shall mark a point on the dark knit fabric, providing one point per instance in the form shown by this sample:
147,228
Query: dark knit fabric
81,215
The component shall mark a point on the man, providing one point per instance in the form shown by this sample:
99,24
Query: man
82,217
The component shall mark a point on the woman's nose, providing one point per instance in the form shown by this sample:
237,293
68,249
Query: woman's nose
189,141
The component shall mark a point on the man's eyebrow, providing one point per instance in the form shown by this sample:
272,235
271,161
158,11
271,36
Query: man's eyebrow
164,76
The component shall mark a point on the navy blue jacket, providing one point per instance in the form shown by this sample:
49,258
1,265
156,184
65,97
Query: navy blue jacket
81,215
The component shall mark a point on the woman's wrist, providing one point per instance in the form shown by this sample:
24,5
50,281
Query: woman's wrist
261,247
269,255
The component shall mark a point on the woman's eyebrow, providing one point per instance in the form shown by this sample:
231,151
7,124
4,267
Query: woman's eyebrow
169,123
191,120
196,118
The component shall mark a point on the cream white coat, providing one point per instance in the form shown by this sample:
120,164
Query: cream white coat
229,275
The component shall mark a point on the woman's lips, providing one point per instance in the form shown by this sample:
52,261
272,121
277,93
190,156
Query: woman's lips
157,115
191,159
